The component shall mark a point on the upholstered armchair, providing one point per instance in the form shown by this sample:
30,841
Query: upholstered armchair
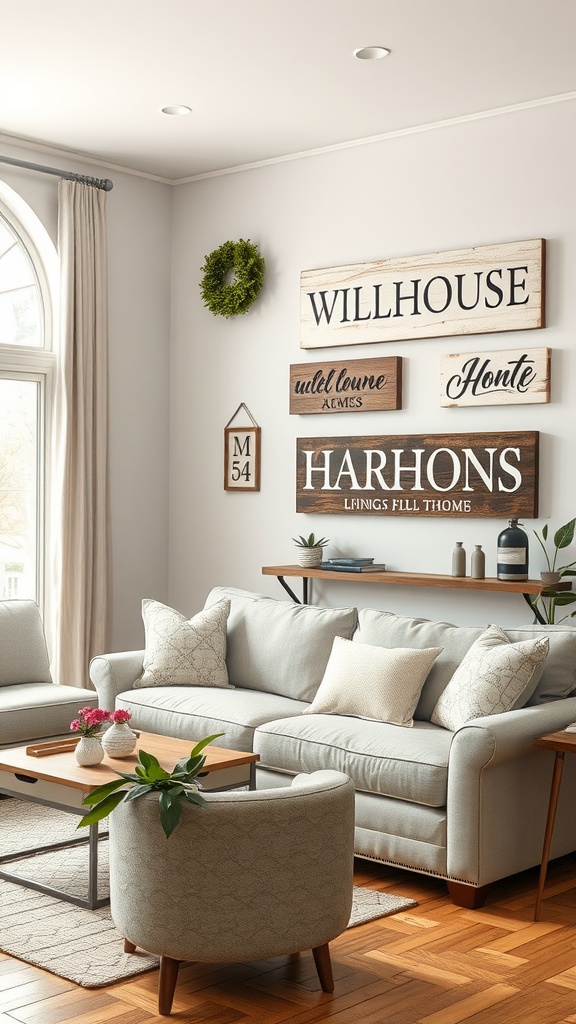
248,875
31,705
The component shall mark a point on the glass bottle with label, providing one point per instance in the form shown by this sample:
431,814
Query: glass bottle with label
512,553
459,560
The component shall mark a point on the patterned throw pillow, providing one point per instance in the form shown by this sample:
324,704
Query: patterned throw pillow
181,651
379,683
494,676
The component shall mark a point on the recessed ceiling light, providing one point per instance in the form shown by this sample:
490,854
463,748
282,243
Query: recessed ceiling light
178,109
371,52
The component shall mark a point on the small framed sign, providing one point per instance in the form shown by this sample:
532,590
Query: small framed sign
242,455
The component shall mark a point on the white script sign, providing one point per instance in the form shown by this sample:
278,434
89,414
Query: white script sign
518,376
468,291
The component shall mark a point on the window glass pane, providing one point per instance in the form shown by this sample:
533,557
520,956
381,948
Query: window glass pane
19,487
21,314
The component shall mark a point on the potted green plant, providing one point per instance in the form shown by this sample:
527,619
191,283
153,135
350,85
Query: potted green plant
546,603
310,550
149,777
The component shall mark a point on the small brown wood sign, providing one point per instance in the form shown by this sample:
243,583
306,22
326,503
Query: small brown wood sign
359,385
467,291
471,475
518,376
242,454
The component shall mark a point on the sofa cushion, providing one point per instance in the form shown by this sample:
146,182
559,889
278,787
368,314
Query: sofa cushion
494,676
24,656
407,764
33,711
280,646
373,682
558,678
389,630
181,651
198,711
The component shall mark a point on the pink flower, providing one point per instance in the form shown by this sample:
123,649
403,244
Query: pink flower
89,721
120,716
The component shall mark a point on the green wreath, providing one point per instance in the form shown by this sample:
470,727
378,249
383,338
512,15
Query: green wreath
245,260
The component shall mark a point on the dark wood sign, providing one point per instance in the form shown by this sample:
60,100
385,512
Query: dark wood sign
493,475
468,291
515,377
353,385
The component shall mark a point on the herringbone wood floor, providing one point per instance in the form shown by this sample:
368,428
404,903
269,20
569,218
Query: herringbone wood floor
437,964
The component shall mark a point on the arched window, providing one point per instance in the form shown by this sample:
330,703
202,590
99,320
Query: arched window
28,266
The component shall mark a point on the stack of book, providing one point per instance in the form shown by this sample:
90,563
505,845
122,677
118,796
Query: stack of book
353,565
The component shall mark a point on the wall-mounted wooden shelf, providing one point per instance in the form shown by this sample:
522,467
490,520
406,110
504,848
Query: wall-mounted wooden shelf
407,579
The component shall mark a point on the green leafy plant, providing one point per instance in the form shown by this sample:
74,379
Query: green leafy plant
310,542
149,777
546,603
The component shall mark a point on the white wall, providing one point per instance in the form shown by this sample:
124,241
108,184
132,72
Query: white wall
138,218
502,178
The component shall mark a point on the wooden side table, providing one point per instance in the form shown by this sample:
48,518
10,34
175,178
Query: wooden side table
562,743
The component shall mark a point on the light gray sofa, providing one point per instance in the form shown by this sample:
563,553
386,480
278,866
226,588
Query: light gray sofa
467,806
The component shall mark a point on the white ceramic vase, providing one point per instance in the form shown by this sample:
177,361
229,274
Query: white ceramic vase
119,740
89,751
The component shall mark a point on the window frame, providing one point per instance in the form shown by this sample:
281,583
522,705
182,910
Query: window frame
37,363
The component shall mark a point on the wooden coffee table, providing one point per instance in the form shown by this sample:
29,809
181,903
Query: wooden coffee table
56,780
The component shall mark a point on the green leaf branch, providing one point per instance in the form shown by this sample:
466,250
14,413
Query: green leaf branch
550,599
148,777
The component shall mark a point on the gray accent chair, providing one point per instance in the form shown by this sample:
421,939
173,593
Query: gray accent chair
248,875
32,707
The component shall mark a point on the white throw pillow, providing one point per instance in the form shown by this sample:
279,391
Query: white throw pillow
494,676
379,683
181,651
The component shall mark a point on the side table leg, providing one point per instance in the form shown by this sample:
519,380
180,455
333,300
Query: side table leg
554,791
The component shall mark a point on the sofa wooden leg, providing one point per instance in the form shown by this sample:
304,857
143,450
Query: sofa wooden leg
167,984
324,966
129,947
471,897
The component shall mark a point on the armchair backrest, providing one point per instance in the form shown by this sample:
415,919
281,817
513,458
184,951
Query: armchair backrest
249,875
23,652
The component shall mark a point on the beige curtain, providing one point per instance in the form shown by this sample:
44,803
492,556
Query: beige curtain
80,523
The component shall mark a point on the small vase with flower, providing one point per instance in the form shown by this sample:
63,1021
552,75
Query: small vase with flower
119,740
89,750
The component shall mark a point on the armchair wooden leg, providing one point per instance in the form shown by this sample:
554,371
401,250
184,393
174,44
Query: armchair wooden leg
129,947
167,984
323,963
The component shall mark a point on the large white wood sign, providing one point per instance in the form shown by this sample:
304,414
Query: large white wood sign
468,291
515,377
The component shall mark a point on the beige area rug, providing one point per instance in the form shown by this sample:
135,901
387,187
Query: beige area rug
82,945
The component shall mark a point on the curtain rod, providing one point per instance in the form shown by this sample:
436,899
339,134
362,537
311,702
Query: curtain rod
82,179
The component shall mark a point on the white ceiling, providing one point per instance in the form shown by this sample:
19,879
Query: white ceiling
265,78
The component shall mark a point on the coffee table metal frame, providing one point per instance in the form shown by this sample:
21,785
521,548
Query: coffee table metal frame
92,901
59,794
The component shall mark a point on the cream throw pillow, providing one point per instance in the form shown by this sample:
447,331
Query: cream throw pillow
181,651
379,683
494,676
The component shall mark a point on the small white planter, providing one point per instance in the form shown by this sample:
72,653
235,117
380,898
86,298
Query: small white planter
550,578
310,558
